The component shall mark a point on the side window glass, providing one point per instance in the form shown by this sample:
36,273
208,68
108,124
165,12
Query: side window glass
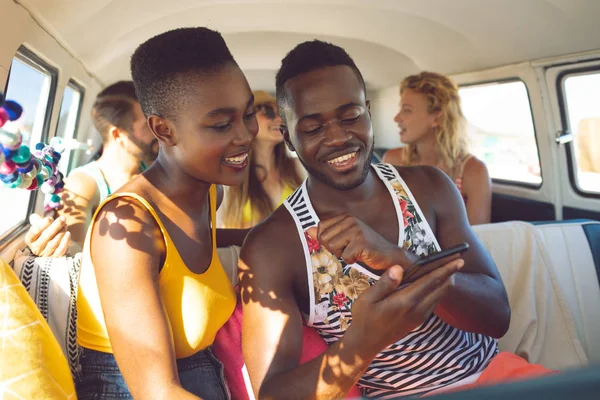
582,106
31,83
501,131
68,118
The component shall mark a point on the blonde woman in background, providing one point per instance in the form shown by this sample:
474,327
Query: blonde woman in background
273,174
431,125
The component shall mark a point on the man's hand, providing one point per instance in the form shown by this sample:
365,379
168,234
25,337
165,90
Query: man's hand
354,241
383,315
48,237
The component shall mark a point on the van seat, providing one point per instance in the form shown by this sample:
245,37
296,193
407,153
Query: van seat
549,270
574,247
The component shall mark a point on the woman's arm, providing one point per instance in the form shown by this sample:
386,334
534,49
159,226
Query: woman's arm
127,250
477,188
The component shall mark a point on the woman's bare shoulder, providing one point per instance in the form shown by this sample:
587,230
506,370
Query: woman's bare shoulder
394,156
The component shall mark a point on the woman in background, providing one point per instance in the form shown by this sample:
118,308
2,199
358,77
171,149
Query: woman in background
273,174
431,125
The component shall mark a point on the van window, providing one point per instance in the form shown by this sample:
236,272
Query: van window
501,131
31,84
582,106
68,118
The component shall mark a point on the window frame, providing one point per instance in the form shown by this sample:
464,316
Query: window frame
512,79
28,57
81,90
564,120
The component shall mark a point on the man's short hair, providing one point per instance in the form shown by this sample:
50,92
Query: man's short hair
121,88
307,57
158,66
114,107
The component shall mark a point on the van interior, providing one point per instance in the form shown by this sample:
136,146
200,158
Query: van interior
529,81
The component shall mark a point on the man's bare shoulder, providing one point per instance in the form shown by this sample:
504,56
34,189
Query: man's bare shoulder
423,177
430,187
272,261
273,251
81,184
273,237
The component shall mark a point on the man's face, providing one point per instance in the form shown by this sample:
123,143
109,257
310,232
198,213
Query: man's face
329,126
144,144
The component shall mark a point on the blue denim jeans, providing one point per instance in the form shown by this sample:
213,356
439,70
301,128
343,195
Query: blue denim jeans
100,378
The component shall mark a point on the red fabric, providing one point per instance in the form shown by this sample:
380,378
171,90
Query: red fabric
506,367
510,367
228,349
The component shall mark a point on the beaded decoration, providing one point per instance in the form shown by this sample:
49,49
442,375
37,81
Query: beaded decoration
20,168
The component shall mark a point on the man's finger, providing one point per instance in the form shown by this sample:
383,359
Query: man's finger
312,232
350,253
432,299
329,222
58,226
341,229
417,271
36,229
52,245
35,218
423,294
63,246
388,282
430,282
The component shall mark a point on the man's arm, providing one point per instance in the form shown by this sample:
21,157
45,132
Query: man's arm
79,200
272,325
477,302
478,189
49,237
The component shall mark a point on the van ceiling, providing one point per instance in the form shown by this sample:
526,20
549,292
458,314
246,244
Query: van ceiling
387,38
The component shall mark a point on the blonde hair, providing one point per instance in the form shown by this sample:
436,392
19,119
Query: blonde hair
442,98
251,189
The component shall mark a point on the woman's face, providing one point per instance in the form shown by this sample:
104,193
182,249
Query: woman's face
414,119
213,127
268,123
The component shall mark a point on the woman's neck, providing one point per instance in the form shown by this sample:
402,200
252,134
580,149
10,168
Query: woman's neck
268,173
176,186
264,156
427,151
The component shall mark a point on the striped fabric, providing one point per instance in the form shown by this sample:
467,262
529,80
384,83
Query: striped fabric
433,355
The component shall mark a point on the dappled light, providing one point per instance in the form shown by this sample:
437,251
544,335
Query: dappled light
122,223
70,208
252,292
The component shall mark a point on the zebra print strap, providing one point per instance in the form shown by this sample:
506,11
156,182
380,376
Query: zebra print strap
52,284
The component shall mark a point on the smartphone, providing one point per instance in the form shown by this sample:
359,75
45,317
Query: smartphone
427,264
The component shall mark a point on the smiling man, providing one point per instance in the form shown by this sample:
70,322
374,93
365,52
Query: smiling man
331,257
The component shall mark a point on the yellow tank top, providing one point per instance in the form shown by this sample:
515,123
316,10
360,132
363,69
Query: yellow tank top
197,305
247,211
